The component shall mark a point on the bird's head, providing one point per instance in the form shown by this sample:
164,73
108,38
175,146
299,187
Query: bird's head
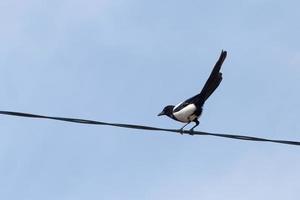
168,110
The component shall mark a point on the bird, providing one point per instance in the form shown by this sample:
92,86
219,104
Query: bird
191,109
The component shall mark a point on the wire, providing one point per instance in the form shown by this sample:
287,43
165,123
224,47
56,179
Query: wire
142,127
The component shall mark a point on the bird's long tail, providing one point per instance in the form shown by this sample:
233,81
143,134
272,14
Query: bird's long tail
214,79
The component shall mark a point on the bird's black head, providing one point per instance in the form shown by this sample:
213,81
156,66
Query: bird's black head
168,110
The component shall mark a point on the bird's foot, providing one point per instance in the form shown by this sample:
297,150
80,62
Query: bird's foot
181,131
191,131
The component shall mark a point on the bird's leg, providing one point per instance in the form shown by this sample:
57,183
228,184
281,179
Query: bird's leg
181,130
192,129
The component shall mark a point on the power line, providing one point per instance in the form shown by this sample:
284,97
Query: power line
142,127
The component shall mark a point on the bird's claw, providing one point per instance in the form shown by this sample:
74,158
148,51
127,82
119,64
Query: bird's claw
191,131
181,131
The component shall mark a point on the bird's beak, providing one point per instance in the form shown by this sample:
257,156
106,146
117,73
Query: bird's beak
162,113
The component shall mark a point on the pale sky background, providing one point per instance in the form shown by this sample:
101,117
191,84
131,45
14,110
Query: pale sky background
123,61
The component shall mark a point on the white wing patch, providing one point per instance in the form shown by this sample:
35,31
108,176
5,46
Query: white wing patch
186,114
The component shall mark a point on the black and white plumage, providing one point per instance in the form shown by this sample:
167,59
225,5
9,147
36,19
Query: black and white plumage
191,109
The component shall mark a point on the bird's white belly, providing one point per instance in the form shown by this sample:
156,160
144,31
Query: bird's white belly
186,114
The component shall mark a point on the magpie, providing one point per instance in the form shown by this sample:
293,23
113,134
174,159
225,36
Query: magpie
190,110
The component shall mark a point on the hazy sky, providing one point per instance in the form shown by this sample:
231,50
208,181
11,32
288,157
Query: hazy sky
123,61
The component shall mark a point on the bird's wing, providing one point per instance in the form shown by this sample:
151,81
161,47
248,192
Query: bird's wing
180,106
212,82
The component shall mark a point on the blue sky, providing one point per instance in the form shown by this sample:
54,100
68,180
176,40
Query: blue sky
123,61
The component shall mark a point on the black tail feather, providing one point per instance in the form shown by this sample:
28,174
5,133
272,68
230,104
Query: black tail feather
213,81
